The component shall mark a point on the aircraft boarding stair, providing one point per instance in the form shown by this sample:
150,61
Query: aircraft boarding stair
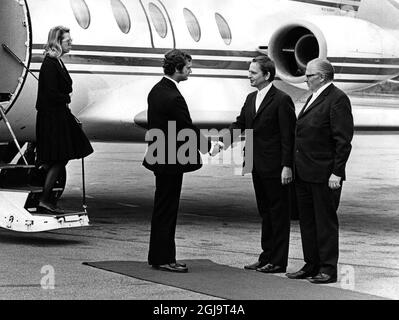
19,200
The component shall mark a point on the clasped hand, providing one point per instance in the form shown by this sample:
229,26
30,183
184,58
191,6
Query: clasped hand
216,147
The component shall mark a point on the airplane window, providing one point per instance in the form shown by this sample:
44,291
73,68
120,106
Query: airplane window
121,15
224,28
81,12
158,19
192,24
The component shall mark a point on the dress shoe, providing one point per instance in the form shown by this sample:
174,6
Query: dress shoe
172,267
323,278
256,265
44,167
301,274
181,264
271,268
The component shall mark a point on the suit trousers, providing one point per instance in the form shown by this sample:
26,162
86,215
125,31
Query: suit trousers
318,220
164,217
273,205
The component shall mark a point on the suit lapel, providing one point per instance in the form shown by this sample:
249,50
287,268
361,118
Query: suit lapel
304,107
318,100
252,106
266,101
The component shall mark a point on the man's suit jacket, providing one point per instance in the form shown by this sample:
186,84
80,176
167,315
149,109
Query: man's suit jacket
323,137
273,131
55,85
165,103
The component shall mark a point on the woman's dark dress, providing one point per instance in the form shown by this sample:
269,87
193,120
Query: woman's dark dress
59,136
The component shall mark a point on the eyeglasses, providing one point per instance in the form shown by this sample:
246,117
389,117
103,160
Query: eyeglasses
310,75
68,41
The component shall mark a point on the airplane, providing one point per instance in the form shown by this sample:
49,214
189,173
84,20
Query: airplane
118,46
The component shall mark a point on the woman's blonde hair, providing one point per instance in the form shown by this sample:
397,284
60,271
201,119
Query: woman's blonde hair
53,45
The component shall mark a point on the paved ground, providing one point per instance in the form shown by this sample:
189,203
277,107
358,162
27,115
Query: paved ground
218,220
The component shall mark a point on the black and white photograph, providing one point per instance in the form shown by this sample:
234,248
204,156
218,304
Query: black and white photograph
199,155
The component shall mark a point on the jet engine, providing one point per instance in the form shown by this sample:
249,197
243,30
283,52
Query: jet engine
358,49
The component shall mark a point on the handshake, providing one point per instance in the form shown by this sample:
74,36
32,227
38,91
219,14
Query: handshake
216,147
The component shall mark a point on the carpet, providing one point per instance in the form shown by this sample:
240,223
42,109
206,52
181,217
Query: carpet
222,281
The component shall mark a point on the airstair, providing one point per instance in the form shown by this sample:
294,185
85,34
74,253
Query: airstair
19,199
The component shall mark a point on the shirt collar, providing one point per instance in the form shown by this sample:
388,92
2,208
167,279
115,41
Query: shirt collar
321,89
263,92
174,81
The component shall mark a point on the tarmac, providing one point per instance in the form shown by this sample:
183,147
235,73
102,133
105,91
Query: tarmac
218,220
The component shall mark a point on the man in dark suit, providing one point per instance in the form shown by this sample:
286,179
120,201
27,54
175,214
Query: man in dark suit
166,156
322,146
270,114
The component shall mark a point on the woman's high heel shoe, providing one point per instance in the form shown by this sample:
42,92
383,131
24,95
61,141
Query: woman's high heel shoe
49,207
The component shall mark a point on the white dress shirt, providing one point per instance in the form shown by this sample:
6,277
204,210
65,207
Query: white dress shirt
261,95
259,98
316,94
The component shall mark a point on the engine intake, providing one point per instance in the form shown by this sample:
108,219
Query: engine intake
362,53
292,47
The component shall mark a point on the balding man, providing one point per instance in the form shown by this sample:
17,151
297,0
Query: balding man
322,146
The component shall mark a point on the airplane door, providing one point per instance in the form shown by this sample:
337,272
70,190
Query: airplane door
15,36
159,23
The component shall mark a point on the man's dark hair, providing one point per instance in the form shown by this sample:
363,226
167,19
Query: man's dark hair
266,66
175,59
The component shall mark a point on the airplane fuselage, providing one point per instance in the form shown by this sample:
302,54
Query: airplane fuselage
118,48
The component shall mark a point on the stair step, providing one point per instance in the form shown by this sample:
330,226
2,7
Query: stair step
18,212
68,213
15,166
31,189
5,96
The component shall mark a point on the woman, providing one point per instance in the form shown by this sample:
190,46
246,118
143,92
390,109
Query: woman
58,134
